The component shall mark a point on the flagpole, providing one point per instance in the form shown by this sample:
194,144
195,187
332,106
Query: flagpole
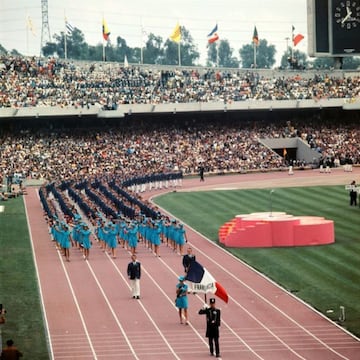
179,53
292,42
27,35
217,54
65,45
103,39
65,37
141,44
254,44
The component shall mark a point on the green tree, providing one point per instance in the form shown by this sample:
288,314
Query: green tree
351,62
294,59
122,50
49,49
265,55
76,46
188,51
153,51
2,50
221,54
95,53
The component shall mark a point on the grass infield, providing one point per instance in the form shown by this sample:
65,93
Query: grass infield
326,277
19,291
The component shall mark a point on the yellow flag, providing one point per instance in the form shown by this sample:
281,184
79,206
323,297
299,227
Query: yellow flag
30,26
176,34
105,30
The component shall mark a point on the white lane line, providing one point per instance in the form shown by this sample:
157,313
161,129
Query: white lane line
224,323
43,309
77,306
144,308
71,289
254,291
265,300
111,310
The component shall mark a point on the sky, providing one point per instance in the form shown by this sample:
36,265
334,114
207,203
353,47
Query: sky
236,20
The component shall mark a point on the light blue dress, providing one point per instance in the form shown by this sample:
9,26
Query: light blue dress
182,300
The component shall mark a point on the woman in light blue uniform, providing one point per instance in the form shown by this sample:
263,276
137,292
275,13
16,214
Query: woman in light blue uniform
133,237
112,239
180,238
155,238
66,240
85,240
181,301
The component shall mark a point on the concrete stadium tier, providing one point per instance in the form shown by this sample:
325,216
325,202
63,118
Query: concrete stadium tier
276,229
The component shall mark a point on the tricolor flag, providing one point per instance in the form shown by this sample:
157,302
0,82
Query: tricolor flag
213,35
176,34
255,37
105,30
203,282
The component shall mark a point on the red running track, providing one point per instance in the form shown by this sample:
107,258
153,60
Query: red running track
90,314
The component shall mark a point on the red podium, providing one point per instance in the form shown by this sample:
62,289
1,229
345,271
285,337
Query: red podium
276,229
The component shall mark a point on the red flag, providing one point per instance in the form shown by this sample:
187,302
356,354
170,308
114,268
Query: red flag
297,38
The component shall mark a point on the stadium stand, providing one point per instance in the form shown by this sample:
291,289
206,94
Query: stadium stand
100,160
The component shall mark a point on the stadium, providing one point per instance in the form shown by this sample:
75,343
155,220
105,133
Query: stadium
99,145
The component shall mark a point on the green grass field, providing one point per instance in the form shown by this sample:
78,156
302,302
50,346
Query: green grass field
323,276
19,291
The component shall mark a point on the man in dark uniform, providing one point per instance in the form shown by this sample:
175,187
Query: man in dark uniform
188,258
201,172
353,194
213,319
134,275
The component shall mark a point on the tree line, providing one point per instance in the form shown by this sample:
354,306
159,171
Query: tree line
158,51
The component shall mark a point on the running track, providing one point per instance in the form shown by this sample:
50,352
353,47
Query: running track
90,314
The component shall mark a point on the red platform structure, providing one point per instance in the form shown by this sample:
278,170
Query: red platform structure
276,229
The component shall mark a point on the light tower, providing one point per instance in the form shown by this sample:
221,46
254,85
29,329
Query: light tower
45,29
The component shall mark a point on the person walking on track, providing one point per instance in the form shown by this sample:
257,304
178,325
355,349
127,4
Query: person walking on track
213,320
134,275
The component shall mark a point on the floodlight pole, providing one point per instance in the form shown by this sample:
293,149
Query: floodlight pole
271,192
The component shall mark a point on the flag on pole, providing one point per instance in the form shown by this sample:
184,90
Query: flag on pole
255,37
30,26
297,38
69,28
213,35
176,34
203,282
105,30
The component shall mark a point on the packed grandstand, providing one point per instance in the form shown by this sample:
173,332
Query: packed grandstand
103,163
27,82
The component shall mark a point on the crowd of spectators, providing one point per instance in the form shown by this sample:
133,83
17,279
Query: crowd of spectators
27,82
132,150
135,150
